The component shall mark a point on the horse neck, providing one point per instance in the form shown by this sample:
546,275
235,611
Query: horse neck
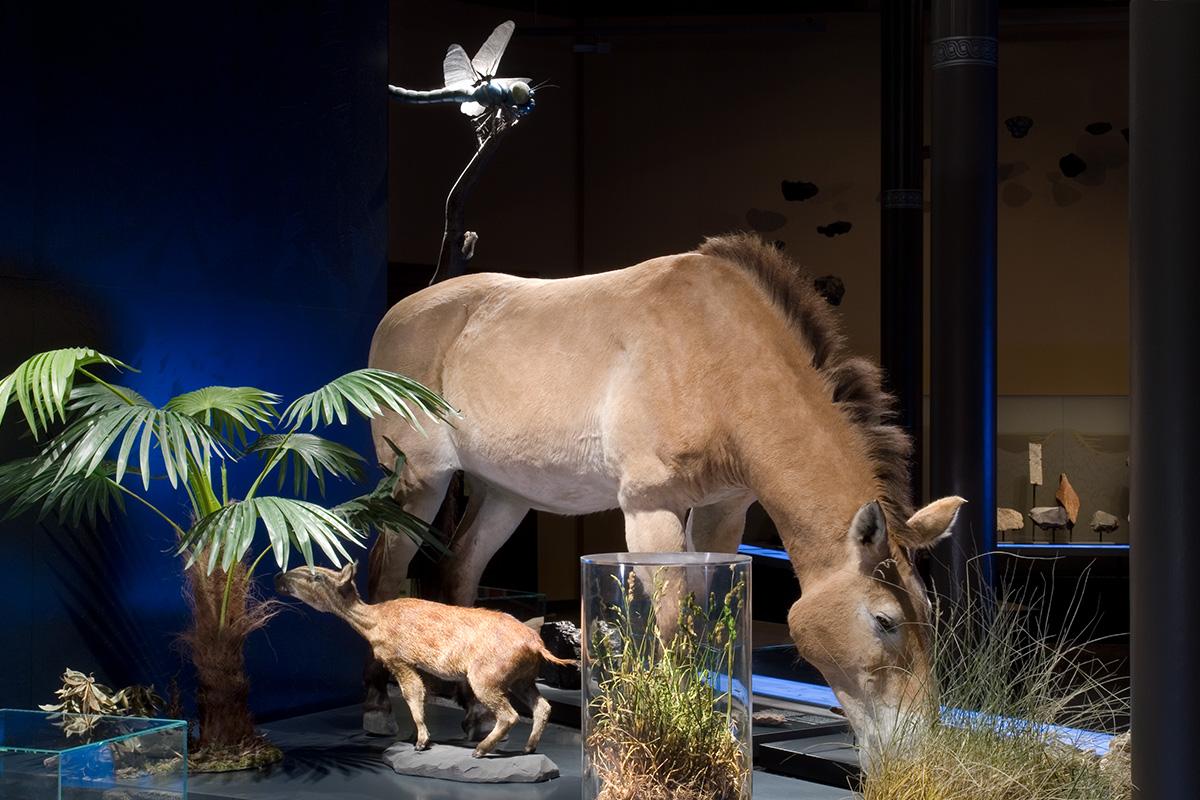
811,472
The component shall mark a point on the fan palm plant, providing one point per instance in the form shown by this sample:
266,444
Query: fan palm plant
110,443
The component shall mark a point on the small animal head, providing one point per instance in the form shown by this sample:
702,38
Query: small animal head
865,623
323,589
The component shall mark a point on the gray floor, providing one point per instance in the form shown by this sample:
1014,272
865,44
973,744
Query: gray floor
327,755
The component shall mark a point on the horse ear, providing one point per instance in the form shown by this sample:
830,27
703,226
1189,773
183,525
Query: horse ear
933,522
868,530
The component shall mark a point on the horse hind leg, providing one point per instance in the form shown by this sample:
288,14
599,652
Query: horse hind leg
496,516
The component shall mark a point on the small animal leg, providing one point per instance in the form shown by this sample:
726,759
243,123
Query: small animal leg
541,715
413,687
493,697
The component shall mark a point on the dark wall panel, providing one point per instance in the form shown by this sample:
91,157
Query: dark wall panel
201,191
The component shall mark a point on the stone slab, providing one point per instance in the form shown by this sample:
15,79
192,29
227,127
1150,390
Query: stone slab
452,763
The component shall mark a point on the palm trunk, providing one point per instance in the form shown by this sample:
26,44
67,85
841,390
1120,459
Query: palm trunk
217,640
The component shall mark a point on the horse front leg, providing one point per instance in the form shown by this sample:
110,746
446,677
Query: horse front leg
659,530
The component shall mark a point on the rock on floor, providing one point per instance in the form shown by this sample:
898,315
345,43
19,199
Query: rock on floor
452,763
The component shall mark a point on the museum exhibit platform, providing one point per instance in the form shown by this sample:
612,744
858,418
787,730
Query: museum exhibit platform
326,754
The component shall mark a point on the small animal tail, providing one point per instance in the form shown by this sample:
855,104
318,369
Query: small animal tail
562,662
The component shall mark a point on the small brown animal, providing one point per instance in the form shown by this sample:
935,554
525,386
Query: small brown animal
492,652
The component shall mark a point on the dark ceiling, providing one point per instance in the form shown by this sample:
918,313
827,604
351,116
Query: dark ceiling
593,9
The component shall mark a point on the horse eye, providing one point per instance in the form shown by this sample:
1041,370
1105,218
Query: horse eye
885,623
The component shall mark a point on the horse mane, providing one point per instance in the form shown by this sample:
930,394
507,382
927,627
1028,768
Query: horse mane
855,383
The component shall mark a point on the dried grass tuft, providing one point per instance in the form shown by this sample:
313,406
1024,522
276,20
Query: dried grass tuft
998,657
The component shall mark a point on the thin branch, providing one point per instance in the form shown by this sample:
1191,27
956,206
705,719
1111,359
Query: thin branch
271,462
108,386
178,530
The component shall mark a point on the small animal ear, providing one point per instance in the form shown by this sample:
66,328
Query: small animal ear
348,572
933,523
868,530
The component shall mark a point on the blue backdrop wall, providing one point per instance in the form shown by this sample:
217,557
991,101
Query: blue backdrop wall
200,190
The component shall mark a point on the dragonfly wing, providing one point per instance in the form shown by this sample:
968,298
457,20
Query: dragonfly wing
457,69
487,60
472,109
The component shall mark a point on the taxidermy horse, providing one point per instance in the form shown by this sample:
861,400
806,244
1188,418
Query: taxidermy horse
680,390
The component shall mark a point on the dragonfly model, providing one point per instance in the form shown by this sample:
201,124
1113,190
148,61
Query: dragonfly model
489,100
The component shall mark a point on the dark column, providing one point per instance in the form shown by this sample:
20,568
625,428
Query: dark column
1164,174
962,426
902,216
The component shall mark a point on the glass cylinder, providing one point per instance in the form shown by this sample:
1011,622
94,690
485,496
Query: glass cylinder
666,666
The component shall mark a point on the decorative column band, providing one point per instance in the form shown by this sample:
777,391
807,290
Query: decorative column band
957,51
902,198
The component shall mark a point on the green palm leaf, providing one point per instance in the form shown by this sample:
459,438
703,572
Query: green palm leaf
42,385
227,535
380,510
91,398
232,411
84,444
385,513
370,392
310,457
25,486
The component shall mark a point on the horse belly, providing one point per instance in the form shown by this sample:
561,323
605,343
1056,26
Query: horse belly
561,481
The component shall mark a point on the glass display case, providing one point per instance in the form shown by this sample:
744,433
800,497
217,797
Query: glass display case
666,675
56,756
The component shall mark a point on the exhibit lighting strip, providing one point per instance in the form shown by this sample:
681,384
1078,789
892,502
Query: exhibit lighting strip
1067,546
781,555
765,552
823,697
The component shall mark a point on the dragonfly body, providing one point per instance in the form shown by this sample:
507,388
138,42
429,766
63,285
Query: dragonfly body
511,92
472,82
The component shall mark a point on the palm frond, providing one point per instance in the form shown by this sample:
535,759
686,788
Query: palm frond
385,513
25,486
380,510
85,443
42,384
370,392
228,534
91,398
310,456
232,411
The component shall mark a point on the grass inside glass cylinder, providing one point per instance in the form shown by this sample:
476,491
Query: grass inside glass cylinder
667,674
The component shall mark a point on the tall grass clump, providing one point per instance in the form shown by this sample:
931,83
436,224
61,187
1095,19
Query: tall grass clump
1004,686
663,724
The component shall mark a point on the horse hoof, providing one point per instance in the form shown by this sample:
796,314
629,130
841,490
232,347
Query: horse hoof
380,723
